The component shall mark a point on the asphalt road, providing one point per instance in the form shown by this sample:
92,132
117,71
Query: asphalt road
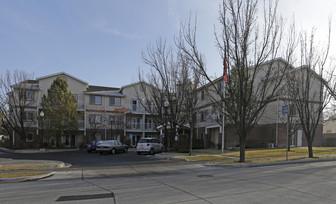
185,183
82,159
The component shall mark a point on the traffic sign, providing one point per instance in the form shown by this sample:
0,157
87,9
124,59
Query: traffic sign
285,109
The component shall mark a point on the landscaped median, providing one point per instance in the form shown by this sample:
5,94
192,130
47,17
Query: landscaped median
253,156
26,169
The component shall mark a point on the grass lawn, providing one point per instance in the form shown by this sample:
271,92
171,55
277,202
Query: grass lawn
22,170
21,174
263,155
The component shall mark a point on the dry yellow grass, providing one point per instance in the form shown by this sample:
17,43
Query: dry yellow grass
13,167
21,174
263,155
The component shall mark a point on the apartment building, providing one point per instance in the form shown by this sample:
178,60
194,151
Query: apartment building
103,113
122,113
271,129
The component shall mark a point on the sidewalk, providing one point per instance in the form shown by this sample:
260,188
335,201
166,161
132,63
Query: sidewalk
50,166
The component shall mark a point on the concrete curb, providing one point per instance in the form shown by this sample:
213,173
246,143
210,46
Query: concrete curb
27,151
270,163
25,179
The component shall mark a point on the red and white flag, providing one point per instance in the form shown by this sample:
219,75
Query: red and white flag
225,70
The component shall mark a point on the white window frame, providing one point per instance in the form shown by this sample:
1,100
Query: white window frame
30,95
93,100
29,119
113,101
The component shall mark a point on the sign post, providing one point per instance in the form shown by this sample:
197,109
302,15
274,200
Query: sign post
285,110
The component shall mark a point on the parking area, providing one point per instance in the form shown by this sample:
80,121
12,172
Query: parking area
82,158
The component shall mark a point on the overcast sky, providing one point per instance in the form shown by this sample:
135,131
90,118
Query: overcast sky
100,41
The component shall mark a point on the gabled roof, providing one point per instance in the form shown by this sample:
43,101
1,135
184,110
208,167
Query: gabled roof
61,73
105,93
134,84
101,88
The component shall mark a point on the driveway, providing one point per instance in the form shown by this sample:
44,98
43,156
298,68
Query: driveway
80,159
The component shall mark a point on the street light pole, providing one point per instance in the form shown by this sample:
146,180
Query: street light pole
166,104
42,115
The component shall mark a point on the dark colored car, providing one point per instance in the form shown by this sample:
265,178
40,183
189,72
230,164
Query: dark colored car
92,146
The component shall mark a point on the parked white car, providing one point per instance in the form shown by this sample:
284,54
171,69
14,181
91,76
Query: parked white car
149,146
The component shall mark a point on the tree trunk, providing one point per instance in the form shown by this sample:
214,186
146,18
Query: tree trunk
242,149
191,140
310,148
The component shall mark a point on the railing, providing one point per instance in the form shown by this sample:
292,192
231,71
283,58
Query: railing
141,109
81,124
81,104
211,121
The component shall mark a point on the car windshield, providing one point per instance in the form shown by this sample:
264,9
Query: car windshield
144,141
107,143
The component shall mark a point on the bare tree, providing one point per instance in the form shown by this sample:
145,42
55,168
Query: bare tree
311,85
166,84
17,94
190,81
251,51
118,121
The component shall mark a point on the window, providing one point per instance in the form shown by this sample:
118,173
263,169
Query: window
204,116
30,95
95,119
133,123
148,124
29,137
134,105
150,106
29,116
96,100
139,123
114,101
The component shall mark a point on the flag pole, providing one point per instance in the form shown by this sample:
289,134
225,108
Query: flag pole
223,135
224,89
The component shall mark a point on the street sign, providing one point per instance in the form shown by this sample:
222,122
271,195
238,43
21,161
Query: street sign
285,109
131,136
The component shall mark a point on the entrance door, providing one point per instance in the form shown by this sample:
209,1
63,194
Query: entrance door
73,140
299,138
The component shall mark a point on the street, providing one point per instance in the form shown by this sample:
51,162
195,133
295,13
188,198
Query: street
160,181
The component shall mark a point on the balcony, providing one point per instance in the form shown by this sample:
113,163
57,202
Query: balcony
81,105
211,122
141,110
81,124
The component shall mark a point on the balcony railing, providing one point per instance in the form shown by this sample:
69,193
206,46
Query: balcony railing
211,121
141,109
81,105
81,124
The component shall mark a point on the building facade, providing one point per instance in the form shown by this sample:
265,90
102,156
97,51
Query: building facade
122,113
103,113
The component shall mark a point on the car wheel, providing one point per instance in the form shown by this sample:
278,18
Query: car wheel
113,151
151,152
